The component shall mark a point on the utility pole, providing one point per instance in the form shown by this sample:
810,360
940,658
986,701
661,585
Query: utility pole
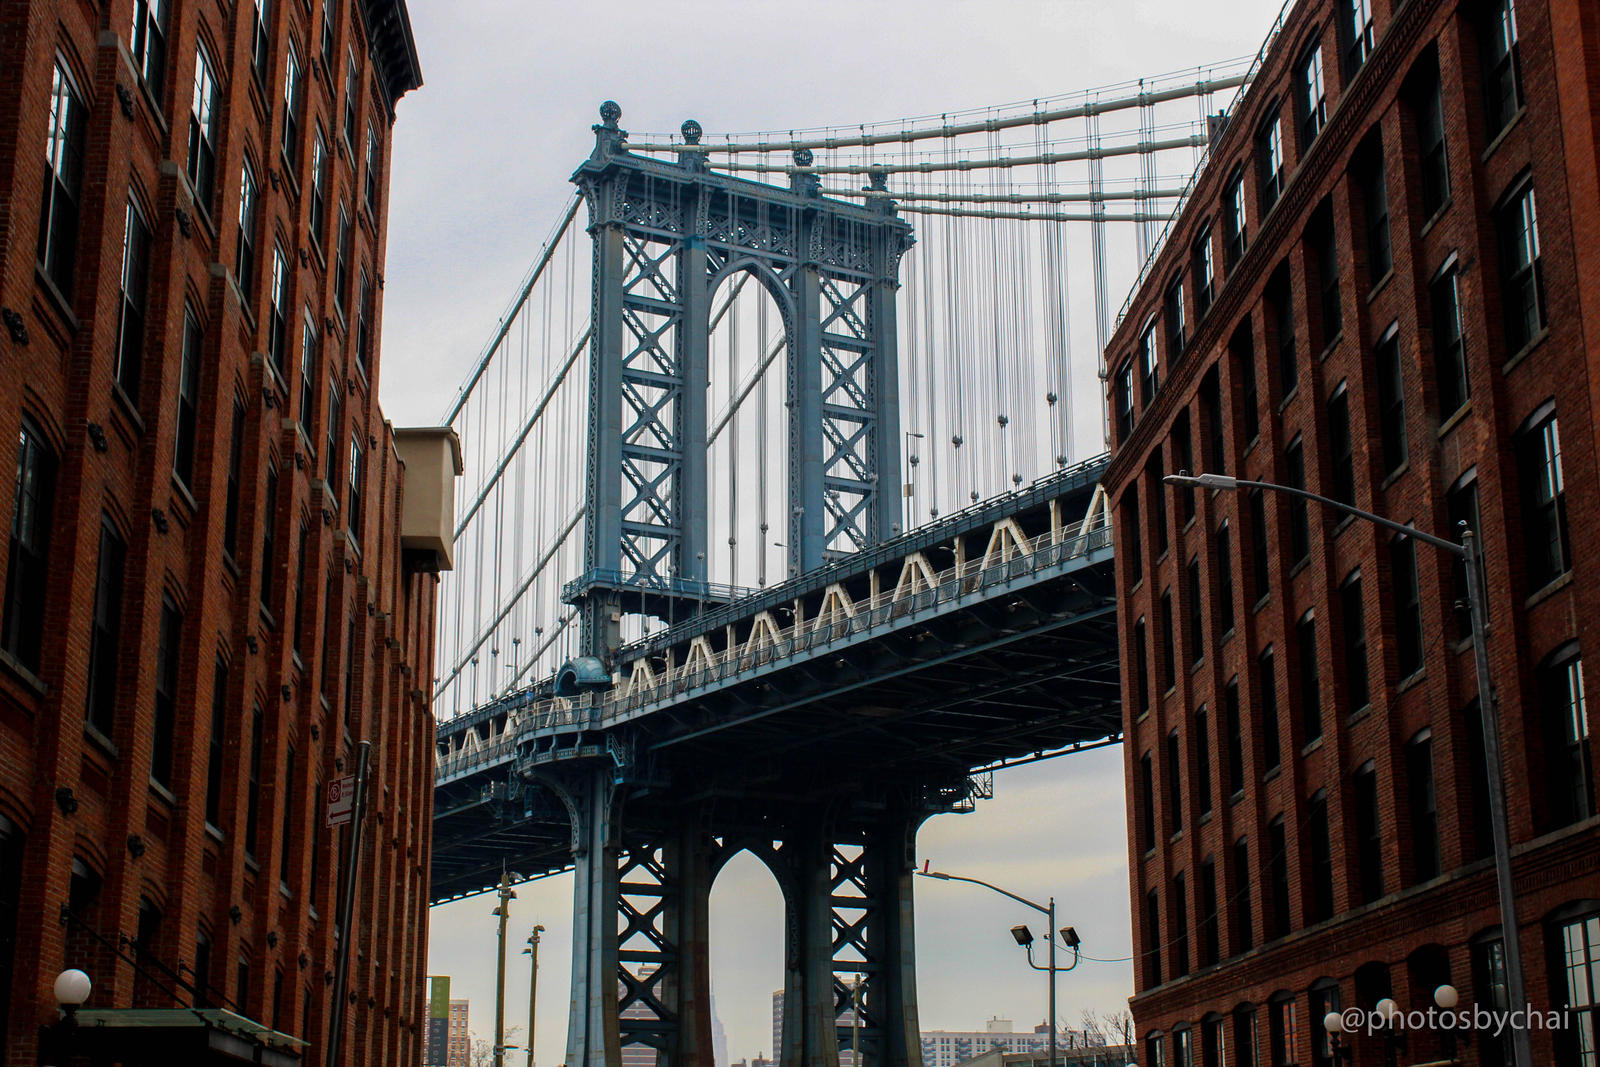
533,984
503,910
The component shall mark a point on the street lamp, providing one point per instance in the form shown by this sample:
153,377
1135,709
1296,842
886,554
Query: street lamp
503,912
1467,551
1024,938
533,984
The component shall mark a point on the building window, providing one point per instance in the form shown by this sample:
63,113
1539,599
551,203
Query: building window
1294,465
1172,305
302,586
1174,783
1313,96
186,428
1243,921
308,371
146,947
1324,246
370,179
1428,111
1147,794
1260,555
1180,947
327,38
260,49
106,635
1490,988
166,703
203,131
1213,1042
1183,445
1352,618
1235,730
1152,939
1234,222
202,968
252,801
1197,629
1449,350
1210,935
1321,850
1285,1031
1123,394
287,833
1202,760
1280,316
1358,32
364,323
1244,1037
1242,348
1521,284
1305,634
319,187
1375,206
1407,605
245,266
1341,457
149,42
1502,68
28,560
1132,534
333,435
1424,807
1543,492
1369,842
1205,273
1169,655
350,84
341,265
1269,159
218,742
278,325
1149,370
63,169
354,517
1568,768
269,537
1267,686
1324,999
230,515
1461,502
1576,952
1391,404
1222,560
1156,493
1211,411
1278,875
292,92
131,307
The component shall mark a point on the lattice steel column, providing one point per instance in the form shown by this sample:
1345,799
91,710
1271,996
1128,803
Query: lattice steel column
592,1036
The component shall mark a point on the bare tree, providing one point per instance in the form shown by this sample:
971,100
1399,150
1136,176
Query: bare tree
1107,1027
481,1053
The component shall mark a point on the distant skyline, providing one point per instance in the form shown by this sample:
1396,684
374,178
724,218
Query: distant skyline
480,163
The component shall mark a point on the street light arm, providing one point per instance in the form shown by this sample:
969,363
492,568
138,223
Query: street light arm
975,881
1058,970
1222,481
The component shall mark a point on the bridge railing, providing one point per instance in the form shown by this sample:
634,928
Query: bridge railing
1004,561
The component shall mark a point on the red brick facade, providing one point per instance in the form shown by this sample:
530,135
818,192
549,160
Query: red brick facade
1349,861
262,581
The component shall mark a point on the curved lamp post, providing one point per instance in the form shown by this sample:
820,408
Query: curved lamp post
1469,553
1025,938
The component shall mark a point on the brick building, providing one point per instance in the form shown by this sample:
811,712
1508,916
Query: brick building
217,576
1380,290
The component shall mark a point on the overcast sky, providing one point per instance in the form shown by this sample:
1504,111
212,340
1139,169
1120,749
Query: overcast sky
481,158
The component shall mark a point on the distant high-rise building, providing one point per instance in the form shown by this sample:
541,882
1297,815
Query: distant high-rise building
719,1037
458,1052
946,1048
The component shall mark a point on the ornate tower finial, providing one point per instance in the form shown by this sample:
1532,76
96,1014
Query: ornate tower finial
805,184
691,131
802,157
692,160
610,112
608,138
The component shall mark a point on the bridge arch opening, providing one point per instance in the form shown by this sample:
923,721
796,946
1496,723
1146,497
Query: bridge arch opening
747,430
746,951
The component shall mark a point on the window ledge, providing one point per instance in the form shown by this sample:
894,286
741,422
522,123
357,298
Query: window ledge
1521,354
1312,745
129,409
284,891
23,674
1456,418
164,793
1255,609
1227,635
229,564
57,299
1394,475
1237,797
1205,817
1438,213
1300,565
183,494
1381,284
1411,681
1344,523
1271,773
1500,138
1548,590
215,834
1360,713
1330,344
101,741
1288,398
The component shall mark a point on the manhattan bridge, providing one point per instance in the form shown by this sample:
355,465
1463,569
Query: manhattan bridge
839,551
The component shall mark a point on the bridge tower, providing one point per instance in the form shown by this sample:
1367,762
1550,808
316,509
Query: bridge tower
666,235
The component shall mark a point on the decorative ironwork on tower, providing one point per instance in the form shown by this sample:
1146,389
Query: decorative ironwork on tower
666,235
